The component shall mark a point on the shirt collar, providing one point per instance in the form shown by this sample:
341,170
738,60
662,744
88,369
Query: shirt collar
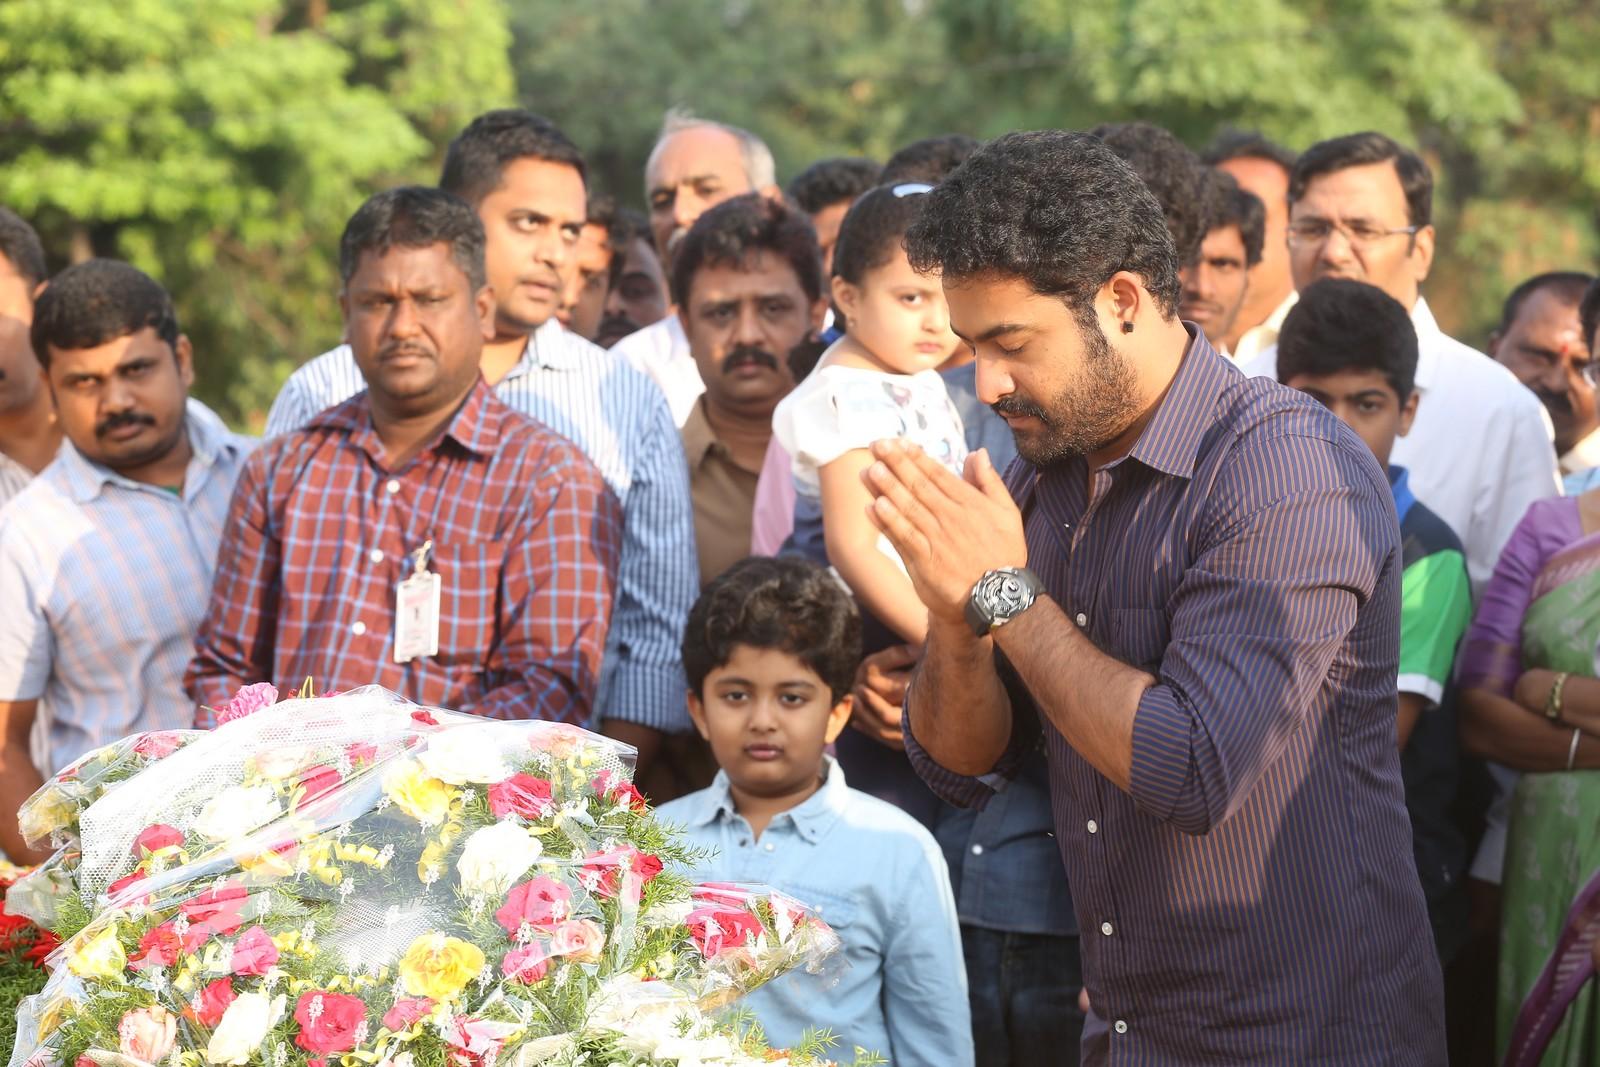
209,440
1428,337
1171,442
475,425
811,817
550,347
698,437
1400,486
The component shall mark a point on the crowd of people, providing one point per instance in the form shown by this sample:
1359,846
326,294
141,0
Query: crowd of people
1177,708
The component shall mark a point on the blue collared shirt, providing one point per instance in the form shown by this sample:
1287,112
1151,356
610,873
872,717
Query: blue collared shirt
619,419
876,876
104,581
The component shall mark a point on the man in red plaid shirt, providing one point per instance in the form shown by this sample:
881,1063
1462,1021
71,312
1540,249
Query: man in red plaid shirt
421,535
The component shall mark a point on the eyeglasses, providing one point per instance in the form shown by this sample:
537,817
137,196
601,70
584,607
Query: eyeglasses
1358,234
1590,372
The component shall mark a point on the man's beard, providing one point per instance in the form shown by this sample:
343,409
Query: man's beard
1089,412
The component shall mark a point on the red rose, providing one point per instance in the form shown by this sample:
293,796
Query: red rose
715,930
254,953
155,837
361,752
521,794
527,964
44,943
618,790
217,911
158,745
208,1005
122,891
329,1022
407,1010
540,902
317,781
159,947
602,872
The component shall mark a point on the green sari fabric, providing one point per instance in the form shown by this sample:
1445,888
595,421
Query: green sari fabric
1553,843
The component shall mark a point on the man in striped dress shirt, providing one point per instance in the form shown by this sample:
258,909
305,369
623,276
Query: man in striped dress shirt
1206,643
526,180
421,535
106,557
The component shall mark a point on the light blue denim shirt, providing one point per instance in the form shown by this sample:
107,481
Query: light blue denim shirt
878,878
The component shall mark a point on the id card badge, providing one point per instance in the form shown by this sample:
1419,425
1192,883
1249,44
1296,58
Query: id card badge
416,610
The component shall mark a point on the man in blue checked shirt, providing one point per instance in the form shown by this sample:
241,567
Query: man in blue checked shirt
106,558
527,182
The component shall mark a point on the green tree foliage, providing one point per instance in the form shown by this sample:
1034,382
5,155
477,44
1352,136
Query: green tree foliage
221,144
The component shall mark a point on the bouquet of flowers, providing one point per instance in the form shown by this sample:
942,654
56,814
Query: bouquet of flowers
23,949
357,880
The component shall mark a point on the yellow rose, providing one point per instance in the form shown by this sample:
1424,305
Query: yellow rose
101,956
40,817
417,793
439,967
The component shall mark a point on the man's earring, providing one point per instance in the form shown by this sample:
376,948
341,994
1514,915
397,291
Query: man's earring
1127,327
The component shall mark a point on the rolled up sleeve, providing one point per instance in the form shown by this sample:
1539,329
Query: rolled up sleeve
975,791
1255,625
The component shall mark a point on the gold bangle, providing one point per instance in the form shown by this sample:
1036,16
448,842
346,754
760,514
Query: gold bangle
1572,750
1552,703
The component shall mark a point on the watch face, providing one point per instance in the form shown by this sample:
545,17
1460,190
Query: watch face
1004,595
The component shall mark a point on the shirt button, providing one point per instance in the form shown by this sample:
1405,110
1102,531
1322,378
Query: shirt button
393,486
358,628
376,555
1083,620
1120,1026
1093,827
770,846
1105,928
977,850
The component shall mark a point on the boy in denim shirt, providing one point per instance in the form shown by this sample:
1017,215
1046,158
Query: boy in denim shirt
770,651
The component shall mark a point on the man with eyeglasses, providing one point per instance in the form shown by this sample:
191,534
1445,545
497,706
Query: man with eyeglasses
1480,450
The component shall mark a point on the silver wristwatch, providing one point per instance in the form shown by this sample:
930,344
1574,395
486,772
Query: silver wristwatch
1000,596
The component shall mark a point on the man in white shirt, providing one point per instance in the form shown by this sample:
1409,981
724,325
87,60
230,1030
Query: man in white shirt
1541,340
696,164
1260,167
1480,450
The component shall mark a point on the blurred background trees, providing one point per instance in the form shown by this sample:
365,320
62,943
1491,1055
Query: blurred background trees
221,144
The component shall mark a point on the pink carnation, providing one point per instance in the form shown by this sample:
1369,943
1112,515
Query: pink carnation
407,1010
247,701
254,953
158,745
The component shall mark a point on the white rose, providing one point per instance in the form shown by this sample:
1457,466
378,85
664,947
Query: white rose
238,810
243,1026
281,761
466,754
495,857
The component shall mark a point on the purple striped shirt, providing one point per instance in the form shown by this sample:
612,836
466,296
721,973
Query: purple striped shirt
1253,898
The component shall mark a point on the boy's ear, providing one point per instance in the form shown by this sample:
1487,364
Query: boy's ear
697,712
838,715
1408,413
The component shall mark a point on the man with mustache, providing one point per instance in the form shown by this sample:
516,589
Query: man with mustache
1187,592
29,434
527,182
695,165
106,558
1540,340
1216,285
748,286
637,296
421,535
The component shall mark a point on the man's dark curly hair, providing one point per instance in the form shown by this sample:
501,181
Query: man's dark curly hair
929,160
480,153
728,234
97,301
1059,210
788,605
1589,315
830,181
20,244
1247,144
1171,170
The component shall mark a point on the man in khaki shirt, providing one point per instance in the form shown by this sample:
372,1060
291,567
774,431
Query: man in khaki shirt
747,282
